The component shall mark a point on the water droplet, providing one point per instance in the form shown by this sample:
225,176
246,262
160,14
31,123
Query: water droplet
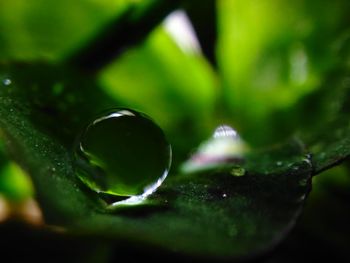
238,171
223,148
279,163
303,182
123,152
7,82
224,195
307,161
302,198
225,131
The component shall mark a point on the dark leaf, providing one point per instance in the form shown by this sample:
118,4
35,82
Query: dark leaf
326,131
215,215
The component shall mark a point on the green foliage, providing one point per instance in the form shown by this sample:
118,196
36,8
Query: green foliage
272,55
38,30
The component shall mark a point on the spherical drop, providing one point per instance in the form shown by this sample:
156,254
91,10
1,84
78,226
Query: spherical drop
122,152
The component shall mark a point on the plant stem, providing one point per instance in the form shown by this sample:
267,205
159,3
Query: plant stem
204,20
126,30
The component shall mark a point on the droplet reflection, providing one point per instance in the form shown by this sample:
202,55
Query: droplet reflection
123,153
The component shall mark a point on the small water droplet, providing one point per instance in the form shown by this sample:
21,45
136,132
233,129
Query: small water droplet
123,152
224,131
308,156
279,163
307,161
224,195
302,198
303,182
7,82
53,169
238,171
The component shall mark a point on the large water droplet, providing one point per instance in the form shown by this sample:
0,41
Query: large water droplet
123,152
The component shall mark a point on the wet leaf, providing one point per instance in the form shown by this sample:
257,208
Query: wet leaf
217,216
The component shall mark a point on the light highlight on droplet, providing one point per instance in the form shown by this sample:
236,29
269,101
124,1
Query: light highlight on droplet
123,152
7,82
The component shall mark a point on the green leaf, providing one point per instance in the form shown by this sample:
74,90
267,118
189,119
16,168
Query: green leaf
287,74
217,216
330,145
14,183
272,54
24,35
325,131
